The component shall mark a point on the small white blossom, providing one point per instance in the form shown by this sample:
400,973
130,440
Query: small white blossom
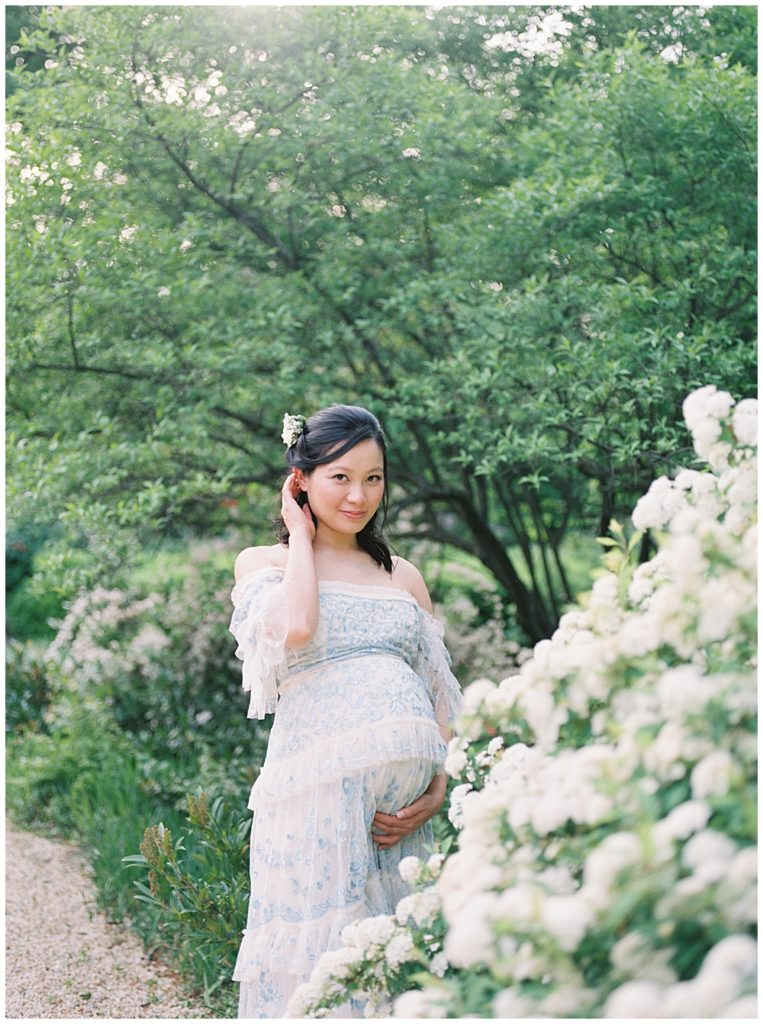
302,999
439,965
509,1004
635,999
744,422
373,932
711,775
495,745
292,428
434,863
455,761
409,869
431,1003
709,846
421,906
399,949
682,821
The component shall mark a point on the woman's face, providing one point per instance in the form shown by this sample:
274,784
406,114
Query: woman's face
344,494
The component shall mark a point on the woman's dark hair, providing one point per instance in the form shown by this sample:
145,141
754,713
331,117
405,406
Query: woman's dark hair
327,435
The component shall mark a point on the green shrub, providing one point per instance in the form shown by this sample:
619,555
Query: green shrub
198,883
109,809
42,768
27,687
29,614
21,545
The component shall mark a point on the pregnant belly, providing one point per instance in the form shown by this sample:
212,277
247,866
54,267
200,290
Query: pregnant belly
351,691
344,701
398,783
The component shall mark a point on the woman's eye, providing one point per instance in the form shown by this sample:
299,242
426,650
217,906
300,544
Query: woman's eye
374,476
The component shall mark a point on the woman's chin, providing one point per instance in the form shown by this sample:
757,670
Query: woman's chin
348,524
353,525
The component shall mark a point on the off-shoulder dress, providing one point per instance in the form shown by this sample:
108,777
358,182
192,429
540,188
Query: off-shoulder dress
356,730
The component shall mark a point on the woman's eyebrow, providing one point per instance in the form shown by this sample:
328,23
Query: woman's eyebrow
372,470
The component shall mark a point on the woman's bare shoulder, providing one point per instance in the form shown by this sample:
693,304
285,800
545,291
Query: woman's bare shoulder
406,576
260,557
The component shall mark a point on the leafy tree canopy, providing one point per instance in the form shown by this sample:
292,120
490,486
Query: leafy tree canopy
519,235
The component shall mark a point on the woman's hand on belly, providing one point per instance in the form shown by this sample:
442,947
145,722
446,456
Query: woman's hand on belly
394,826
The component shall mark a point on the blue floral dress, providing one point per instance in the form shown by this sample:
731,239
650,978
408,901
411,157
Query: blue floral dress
355,731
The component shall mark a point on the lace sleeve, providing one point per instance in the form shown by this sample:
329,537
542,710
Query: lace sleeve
260,624
432,664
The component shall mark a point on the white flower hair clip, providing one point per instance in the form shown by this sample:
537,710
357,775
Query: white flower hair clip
292,429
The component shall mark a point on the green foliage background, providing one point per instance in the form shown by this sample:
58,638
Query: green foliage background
520,259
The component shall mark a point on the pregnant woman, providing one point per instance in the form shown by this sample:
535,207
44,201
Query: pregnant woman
338,639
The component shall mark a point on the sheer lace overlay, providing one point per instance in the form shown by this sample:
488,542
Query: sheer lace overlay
260,624
356,730
432,664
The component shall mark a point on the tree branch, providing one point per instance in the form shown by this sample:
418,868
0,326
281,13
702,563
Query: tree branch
289,259
111,370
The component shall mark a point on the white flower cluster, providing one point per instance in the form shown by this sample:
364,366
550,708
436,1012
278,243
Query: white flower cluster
110,636
374,949
643,694
723,435
431,1004
82,651
728,970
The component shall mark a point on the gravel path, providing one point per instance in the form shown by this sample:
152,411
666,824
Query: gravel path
63,958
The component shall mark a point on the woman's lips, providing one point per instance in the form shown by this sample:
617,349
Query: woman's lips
353,515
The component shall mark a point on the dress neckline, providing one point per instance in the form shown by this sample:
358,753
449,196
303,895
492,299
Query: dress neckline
396,593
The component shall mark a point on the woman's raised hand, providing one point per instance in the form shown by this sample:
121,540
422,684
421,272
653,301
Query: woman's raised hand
294,517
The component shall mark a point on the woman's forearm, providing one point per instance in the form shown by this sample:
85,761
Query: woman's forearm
300,583
438,787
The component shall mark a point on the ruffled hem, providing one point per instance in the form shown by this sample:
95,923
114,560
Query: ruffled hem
295,947
345,754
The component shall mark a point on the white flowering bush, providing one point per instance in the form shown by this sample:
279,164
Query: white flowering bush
382,955
155,657
606,800
176,630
